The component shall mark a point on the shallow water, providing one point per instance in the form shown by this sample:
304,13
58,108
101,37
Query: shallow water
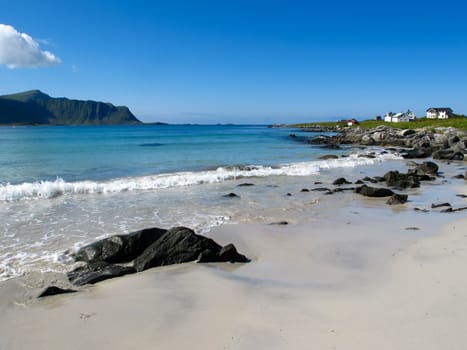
42,220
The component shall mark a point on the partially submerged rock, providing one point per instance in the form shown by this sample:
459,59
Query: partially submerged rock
369,191
425,168
401,181
328,156
341,181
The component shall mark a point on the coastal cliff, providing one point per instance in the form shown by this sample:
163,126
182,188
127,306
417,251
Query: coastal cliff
37,108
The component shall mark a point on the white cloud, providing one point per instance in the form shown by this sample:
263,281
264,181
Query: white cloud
19,50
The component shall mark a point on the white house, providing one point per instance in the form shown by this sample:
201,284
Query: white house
399,117
438,113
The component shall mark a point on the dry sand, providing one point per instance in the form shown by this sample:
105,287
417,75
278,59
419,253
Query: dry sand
352,277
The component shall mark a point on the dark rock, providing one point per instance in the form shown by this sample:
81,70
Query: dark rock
231,195
401,181
452,210
461,195
342,189
341,181
279,223
229,253
448,154
412,228
426,168
328,156
407,132
374,191
54,290
370,179
425,178
317,183
379,179
397,199
304,190
416,153
97,272
180,245
246,184
119,248
321,189
289,194
438,205
459,176
453,140
331,145
422,210
359,182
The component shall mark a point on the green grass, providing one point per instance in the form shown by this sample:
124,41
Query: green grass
459,122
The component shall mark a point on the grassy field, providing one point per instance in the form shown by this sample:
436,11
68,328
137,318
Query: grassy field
459,122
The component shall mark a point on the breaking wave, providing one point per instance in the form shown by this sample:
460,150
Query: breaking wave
60,187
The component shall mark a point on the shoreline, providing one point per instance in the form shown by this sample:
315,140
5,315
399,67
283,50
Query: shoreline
345,272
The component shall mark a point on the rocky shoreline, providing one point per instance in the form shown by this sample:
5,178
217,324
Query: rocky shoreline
120,255
438,143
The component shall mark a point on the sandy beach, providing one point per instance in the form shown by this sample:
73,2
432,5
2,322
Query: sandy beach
347,272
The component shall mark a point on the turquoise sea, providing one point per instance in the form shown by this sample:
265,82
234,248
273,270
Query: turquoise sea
61,186
97,153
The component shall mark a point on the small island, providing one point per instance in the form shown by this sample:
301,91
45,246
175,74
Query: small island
37,108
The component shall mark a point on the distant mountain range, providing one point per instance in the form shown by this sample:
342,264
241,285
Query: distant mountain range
37,108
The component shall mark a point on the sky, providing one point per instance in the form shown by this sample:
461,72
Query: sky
240,61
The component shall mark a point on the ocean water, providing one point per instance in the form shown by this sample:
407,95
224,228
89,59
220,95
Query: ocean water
62,187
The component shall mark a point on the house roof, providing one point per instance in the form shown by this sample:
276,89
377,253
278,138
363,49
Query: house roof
447,109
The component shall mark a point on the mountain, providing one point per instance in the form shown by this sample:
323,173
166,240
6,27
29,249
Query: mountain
35,107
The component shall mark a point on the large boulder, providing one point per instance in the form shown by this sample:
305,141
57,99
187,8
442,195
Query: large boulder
180,245
119,248
369,191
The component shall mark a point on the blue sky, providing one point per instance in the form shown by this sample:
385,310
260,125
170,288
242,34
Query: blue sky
246,61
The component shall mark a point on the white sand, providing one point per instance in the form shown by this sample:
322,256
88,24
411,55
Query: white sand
350,278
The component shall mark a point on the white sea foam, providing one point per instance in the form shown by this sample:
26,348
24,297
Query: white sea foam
59,187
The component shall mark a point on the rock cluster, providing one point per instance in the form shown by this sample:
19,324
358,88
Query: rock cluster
138,251
439,143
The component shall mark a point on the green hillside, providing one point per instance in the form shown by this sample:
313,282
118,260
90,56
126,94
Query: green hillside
457,121
34,107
